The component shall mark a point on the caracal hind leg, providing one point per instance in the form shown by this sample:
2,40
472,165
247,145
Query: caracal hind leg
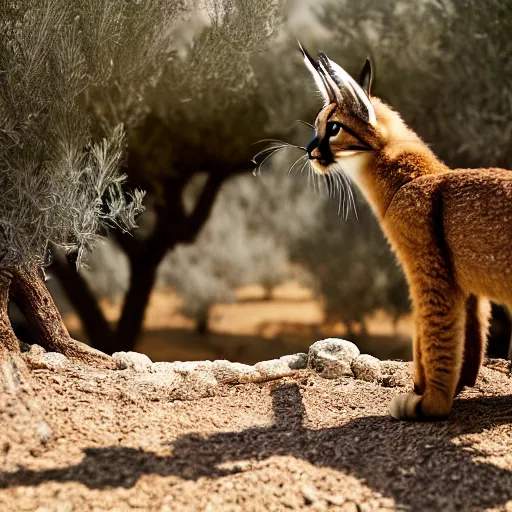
440,319
478,313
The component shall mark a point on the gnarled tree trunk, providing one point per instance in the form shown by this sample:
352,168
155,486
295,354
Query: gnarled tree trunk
44,320
94,323
8,340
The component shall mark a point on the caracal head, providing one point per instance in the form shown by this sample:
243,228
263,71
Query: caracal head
346,129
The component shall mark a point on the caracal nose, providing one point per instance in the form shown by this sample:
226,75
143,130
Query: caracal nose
312,148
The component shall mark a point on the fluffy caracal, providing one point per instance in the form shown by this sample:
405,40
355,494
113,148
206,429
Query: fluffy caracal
450,229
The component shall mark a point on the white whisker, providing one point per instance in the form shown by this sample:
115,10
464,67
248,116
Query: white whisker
352,198
350,202
296,162
312,126
268,150
271,153
306,163
282,142
271,150
341,189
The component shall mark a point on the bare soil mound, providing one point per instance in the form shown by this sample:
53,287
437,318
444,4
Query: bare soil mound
75,438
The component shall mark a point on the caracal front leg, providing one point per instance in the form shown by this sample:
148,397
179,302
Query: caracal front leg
439,309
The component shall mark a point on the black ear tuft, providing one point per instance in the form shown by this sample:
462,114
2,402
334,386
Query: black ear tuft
366,76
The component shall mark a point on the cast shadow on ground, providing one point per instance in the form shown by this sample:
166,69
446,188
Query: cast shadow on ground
417,464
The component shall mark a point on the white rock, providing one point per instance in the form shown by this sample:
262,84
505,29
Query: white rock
273,369
297,361
169,379
332,357
198,382
44,432
183,367
46,360
367,368
36,350
235,373
132,360
396,374
161,366
56,359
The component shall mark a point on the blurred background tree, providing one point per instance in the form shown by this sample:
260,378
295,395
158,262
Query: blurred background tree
247,240
354,271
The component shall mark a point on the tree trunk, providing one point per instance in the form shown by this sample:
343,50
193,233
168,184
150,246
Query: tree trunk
98,330
45,322
142,279
202,326
8,341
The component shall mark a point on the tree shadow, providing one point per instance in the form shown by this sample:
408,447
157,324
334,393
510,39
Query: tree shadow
420,465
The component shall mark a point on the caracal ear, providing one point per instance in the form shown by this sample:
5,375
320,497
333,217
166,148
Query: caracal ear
320,79
349,90
366,76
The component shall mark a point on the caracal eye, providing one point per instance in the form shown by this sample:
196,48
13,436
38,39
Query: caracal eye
334,129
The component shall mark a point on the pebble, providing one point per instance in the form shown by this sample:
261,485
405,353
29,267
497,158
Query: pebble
297,361
332,358
367,368
235,373
131,361
44,432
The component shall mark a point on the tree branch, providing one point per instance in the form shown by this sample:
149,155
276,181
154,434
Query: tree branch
203,207
128,243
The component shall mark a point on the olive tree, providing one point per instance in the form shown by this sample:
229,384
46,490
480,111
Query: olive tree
59,185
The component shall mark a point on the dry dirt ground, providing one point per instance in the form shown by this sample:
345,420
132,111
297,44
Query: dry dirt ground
81,439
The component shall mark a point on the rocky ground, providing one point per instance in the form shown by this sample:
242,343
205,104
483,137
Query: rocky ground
218,436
